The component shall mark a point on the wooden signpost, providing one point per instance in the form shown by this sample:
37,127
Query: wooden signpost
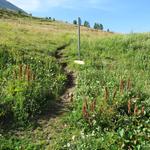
79,24
79,61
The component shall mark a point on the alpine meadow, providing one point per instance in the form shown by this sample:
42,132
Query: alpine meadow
49,102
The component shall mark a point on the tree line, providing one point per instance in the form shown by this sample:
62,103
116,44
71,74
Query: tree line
97,26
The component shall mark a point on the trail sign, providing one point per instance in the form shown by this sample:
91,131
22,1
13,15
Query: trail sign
79,61
79,21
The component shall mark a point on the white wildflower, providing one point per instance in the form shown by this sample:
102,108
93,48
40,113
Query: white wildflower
73,137
68,144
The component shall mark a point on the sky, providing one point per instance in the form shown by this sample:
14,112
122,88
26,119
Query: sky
123,16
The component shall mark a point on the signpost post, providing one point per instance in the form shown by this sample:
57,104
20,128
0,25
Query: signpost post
79,61
79,23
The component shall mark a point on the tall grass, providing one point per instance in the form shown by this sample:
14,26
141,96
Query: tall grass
116,75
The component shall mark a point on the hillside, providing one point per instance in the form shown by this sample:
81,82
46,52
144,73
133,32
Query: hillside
4,4
49,102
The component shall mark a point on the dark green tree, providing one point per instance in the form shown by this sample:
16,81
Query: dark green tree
101,27
98,26
86,24
75,22
108,30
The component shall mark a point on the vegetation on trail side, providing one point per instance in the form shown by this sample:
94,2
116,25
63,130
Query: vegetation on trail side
111,103
29,73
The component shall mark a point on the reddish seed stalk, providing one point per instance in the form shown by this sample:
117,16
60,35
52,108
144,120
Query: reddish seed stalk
94,103
129,84
135,110
25,71
114,94
106,93
121,86
28,73
129,106
20,71
86,103
93,106
84,111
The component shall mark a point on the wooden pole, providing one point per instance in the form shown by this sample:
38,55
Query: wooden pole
79,23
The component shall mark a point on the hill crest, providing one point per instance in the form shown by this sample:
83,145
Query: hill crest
4,4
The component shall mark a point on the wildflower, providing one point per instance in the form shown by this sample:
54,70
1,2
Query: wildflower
73,137
82,134
68,144
93,133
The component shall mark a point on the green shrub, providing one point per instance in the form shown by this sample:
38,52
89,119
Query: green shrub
28,89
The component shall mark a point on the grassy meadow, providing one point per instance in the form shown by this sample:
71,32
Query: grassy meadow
111,100
111,103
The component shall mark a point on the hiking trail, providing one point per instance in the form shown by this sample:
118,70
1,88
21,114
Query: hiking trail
50,125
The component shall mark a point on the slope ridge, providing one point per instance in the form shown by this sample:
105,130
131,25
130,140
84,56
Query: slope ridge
4,4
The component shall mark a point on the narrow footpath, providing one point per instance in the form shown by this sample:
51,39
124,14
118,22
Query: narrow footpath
51,125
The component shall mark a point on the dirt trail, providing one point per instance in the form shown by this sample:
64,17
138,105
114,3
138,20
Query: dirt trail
50,126
68,94
62,104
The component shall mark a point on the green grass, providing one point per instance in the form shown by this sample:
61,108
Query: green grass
29,73
111,65
15,143
111,99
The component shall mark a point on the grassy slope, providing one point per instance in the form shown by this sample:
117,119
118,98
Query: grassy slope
109,59
108,62
33,42
28,41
